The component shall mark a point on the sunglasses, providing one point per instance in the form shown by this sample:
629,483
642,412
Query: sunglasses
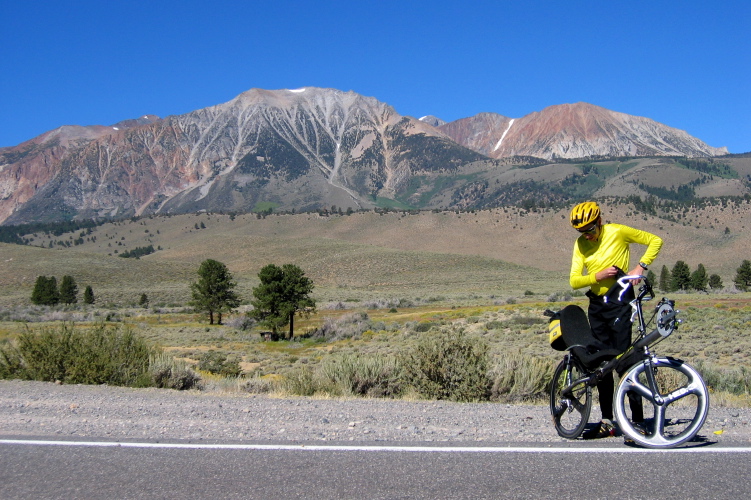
591,230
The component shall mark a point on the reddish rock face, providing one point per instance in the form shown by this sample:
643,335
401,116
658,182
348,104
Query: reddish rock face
301,149
574,131
298,149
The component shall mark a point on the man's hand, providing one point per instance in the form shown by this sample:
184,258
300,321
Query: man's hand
608,272
638,270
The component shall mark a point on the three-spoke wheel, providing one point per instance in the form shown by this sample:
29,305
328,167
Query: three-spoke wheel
570,410
672,416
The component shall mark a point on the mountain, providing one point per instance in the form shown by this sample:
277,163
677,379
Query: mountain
574,131
312,148
298,149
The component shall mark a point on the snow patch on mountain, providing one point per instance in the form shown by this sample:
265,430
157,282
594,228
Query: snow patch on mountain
500,141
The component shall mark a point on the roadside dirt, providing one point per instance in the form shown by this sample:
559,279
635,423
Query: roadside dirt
50,411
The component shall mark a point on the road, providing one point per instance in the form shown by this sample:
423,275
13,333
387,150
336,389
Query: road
32,468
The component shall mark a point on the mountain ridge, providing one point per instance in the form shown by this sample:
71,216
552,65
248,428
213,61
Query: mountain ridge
298,149
574,130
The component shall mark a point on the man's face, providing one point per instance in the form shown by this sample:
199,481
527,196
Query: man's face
592,231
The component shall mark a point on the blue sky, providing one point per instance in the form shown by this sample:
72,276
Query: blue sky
686,64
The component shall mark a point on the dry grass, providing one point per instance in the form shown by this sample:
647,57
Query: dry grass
716,329
715,335
363,256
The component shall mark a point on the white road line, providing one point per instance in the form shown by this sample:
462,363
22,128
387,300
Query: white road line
413,449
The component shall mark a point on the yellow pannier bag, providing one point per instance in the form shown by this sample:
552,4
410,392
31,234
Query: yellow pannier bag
554,331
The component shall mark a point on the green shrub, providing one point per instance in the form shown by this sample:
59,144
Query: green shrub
301,382
259,385
361,375
348,375
11,364
450,365
424,327
166,372
521,377
736,380
103,355
216,362
351,325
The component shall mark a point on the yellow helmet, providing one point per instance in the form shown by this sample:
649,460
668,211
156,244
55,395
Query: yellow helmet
584,214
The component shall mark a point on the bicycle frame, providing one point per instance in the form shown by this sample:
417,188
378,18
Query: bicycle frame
666,324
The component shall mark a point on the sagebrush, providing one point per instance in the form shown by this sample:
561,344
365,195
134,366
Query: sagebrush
102,354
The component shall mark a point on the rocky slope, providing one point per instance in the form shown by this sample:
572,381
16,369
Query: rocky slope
298,149
574,131
303,149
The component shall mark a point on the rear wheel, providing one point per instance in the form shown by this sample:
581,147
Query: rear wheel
571,410
671,417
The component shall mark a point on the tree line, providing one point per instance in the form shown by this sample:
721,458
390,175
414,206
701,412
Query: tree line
680,277
283,292
47,293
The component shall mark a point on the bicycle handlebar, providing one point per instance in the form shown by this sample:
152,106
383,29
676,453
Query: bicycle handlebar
645,289
622,280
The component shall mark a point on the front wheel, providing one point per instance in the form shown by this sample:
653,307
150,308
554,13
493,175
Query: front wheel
570,411
672,416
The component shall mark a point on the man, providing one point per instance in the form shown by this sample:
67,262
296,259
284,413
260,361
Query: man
603,251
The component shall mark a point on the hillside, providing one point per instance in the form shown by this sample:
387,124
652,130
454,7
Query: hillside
368,255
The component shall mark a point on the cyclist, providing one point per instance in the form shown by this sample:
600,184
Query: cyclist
603,250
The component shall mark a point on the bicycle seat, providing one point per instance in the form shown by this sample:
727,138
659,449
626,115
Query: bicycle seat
579,339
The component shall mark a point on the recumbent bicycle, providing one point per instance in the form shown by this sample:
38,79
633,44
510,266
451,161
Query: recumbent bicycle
675,397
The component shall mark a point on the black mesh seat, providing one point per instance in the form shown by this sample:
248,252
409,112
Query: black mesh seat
578,337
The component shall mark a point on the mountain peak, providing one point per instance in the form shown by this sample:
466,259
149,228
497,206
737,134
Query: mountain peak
300,149
574,131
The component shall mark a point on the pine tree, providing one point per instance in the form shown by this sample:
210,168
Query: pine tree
715,282
213,293
68,290
45,291
680,276
88,295
651,277
283,292
665,279
699,279
742,278
38,294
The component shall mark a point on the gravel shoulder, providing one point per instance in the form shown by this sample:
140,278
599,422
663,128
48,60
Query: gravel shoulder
46,410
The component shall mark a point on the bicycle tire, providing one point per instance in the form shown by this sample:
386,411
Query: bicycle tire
675,420
570,414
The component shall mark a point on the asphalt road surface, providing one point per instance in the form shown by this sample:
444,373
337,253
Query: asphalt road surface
95,469
91,442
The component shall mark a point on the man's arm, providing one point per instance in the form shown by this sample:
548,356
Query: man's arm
653,243
577,278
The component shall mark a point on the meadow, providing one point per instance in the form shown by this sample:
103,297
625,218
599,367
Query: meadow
715,336
384,284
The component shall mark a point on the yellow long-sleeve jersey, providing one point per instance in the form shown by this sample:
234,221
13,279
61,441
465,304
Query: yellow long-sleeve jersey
610,249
